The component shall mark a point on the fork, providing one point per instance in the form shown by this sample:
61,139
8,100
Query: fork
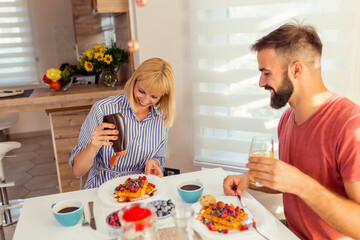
84,222
253,224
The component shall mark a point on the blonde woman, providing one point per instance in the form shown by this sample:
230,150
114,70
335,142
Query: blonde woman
148,107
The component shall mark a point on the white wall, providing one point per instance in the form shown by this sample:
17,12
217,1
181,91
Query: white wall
54,40
162,29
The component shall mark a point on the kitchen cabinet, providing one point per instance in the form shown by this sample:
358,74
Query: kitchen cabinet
94,20
109,6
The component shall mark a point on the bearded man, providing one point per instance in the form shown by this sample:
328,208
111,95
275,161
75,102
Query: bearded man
319,140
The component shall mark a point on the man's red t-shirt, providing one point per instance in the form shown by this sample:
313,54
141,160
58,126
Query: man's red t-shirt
327,148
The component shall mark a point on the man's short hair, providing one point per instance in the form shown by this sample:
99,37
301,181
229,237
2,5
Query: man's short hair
294,42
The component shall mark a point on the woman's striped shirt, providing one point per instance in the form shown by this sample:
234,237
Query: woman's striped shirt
144,140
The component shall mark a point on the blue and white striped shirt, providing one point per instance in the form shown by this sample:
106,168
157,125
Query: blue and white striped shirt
144,140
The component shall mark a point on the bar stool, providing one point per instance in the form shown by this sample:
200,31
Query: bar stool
7,120
5,147
7,207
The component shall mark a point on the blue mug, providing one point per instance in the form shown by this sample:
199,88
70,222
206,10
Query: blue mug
68,212
190,191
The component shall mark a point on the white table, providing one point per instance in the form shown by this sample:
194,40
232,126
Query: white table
37,222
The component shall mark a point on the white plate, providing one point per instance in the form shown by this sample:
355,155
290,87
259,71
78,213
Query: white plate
106,190
252,204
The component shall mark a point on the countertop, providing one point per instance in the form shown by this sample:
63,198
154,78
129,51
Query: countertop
44,98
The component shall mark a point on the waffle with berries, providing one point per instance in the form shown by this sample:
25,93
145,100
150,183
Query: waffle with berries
134,188
223,217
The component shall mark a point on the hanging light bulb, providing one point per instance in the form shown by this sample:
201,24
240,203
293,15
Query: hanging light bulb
141,3
133,46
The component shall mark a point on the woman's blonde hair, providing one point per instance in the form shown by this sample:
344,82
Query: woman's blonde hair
158,79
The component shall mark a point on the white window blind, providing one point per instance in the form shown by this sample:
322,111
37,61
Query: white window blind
17,57
229,106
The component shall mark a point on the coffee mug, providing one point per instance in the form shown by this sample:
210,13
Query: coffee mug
190,191
68,212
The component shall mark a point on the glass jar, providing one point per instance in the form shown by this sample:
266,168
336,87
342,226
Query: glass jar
108,77
138,221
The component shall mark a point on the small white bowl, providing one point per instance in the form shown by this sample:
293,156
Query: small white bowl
113,231
161,220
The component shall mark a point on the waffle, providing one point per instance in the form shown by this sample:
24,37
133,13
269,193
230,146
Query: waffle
223,217
134,188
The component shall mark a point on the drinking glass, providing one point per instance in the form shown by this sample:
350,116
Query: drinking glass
183,221
261,146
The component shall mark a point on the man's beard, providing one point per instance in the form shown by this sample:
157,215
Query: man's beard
282,96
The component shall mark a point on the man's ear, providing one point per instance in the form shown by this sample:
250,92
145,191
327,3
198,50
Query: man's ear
296,69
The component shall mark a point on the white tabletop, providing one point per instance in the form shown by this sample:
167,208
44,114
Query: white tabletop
37,221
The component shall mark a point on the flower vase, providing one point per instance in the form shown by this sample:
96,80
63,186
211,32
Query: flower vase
108,78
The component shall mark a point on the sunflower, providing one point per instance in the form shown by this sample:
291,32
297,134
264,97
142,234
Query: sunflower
88,66
89,53
99,56
108,58
96,48
102,49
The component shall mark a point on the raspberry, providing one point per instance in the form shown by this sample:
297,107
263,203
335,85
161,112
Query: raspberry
244,227
127,199
225,231
211,226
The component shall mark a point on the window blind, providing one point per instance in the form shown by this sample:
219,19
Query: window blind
17,56
229,106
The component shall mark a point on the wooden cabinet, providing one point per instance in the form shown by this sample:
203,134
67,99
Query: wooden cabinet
109,6
92,21
65,129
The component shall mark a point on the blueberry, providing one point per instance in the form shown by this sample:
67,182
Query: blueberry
211,213
230,220
151,194
220,230
213,208
117,189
